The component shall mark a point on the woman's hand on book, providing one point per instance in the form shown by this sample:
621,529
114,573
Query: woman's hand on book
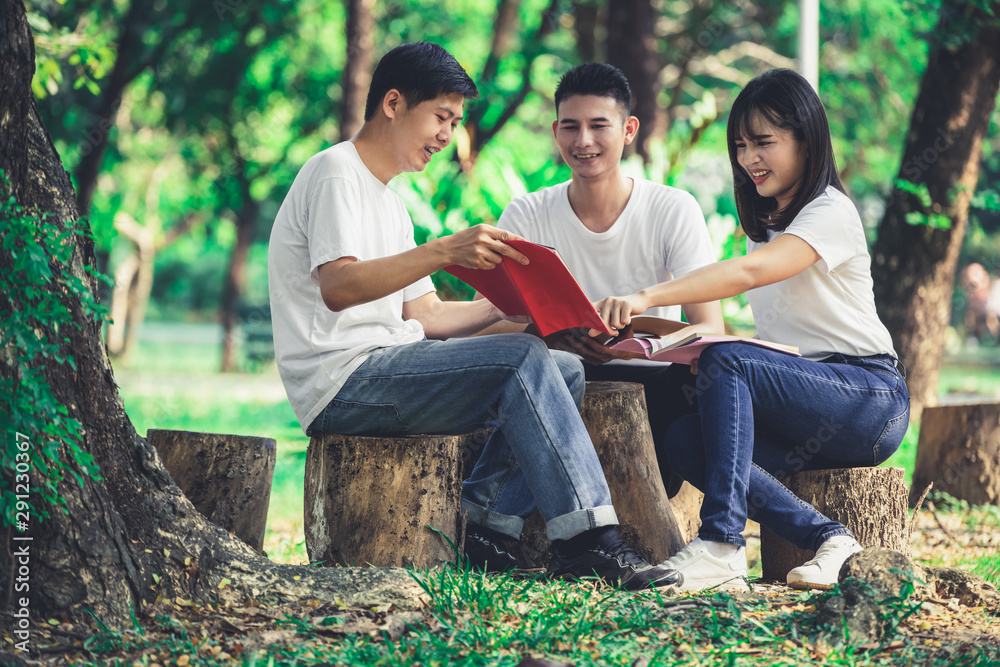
617,311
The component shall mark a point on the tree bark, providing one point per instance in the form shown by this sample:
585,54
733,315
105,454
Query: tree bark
586,19
236,278
871,502
959,451
226,477
359,67
632,48
914,265
686,506
101,550
370,500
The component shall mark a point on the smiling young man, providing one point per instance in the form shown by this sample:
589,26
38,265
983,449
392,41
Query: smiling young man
616,233
354,308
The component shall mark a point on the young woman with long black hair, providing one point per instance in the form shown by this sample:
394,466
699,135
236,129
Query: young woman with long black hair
764,414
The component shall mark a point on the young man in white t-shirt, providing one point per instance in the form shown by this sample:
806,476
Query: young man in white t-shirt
353,308
616,234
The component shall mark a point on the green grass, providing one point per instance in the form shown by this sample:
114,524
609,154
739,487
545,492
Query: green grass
475,619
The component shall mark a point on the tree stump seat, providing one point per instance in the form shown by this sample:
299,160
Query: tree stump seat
226,477
959,451
369,500
870,502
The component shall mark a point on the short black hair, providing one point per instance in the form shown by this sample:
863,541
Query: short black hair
420,71
780,98
598,79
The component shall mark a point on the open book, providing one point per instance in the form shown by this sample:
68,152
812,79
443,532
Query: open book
686,348
543,289
683,349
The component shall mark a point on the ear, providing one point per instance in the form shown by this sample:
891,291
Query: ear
392,103
631,129
555,128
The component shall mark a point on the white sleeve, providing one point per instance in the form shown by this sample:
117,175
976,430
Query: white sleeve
425,284
331,223
832,228
687,245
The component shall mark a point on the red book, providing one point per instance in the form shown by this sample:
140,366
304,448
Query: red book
544,290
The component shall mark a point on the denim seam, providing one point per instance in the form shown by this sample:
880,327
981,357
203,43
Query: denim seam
732,470
888,426
500,487
543,429
804,504
477,366
359,404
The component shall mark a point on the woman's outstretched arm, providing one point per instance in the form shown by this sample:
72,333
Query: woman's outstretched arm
780,259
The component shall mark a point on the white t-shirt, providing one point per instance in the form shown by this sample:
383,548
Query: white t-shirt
659,236
829,307
335,208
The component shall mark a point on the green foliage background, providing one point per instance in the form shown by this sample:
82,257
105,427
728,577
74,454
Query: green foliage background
247,91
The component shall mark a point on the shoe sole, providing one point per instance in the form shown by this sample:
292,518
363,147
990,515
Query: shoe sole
729,584
809,586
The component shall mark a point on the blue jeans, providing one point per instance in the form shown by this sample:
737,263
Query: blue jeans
539,456
764,415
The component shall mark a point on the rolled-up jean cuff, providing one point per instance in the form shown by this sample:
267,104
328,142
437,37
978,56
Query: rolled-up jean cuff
725,539
833,533
567,525
502,523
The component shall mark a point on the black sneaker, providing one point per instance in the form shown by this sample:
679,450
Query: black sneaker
484,550
602,552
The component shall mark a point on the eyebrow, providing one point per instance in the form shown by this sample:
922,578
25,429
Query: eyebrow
599,119
756,137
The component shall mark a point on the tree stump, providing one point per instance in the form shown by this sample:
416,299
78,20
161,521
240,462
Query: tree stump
370,500
871,502
226,477
959,451
615,416
686,506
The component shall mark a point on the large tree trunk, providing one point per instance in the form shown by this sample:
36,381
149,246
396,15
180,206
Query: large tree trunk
359,67
631,46
101,552
914,264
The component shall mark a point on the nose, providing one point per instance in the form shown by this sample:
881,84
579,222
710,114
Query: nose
446,133
584,137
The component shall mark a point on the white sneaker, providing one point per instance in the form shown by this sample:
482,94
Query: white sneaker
822,571
702,570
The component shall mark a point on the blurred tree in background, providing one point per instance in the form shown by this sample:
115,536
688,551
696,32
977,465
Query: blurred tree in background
184,123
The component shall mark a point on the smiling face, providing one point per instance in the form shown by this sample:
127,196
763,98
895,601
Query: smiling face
419,132
774,159
591,132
